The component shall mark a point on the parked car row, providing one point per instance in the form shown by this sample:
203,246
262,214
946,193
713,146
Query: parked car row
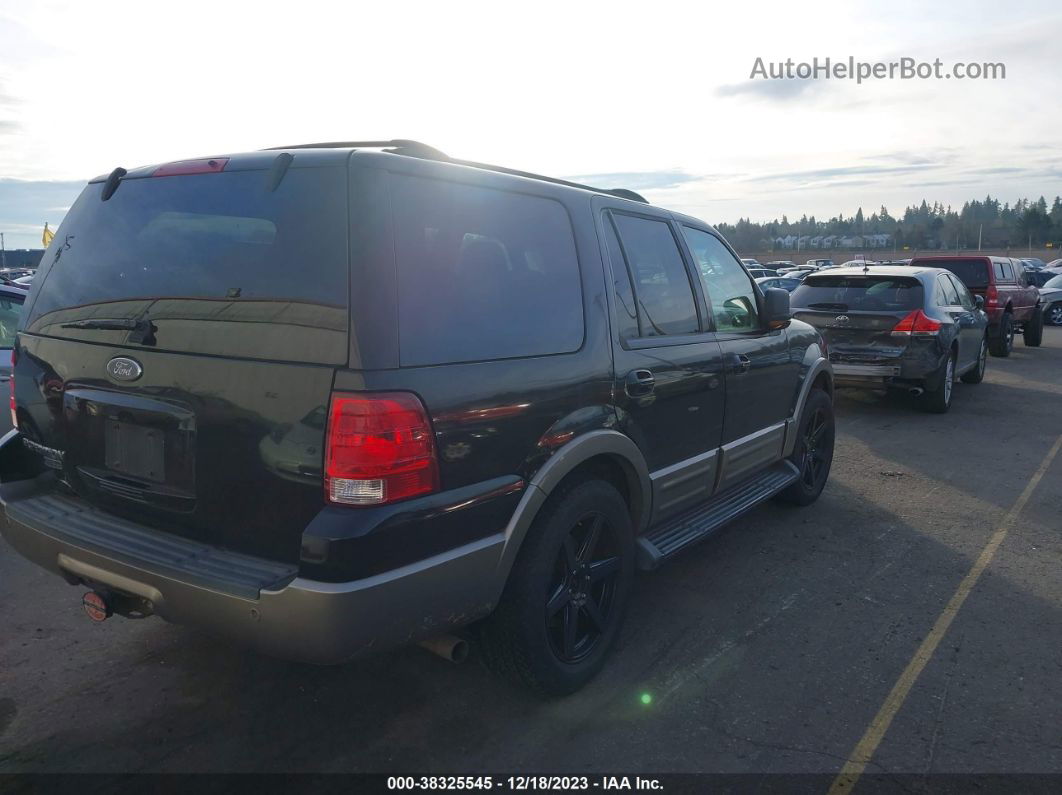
921,324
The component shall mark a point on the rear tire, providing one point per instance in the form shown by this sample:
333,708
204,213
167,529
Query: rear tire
563,604
813,453
939,400
977,374
1004,340
1033,332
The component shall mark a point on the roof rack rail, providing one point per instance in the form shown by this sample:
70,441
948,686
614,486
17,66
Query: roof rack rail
404,146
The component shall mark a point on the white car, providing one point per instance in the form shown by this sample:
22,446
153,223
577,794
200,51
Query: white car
750,263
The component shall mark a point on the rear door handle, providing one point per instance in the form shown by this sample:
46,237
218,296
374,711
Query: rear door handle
738,363
639,383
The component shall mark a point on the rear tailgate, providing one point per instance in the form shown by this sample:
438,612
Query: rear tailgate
180,348
856,314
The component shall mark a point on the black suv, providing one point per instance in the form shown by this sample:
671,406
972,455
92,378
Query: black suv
333,398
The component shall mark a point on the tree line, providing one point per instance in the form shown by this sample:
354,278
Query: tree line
998,225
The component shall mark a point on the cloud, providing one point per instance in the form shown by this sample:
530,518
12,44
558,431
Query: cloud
26,204
638,180
840,171
775,90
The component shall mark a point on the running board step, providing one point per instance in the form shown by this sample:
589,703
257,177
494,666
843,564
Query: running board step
676,534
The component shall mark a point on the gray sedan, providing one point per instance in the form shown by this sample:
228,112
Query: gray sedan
1051,299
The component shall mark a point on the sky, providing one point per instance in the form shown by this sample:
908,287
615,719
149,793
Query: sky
654,97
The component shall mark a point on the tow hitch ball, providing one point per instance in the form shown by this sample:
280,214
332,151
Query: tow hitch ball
97,606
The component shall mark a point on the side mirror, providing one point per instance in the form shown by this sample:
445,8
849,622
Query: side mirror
776,305
980,301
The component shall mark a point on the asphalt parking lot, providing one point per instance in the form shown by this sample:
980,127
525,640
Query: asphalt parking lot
768,649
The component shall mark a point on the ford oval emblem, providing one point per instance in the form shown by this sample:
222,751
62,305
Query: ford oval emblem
122,368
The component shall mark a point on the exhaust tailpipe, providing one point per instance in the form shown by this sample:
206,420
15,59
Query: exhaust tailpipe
449,647
916,391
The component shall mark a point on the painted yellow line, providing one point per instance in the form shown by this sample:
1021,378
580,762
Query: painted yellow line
864,750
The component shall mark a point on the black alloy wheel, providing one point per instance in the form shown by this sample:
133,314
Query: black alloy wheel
579,607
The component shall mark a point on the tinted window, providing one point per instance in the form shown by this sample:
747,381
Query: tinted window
626,310
951,297
729,288
1004,271
217,262
10,310
482,273
971,272
858,293
965,299
665,296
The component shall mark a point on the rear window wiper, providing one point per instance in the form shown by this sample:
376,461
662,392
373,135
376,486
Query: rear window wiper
831,307
143,330
118,324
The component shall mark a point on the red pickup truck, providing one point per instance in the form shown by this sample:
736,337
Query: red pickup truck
1011,300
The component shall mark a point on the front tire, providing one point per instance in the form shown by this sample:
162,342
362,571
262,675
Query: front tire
1004,341
939,400
813,453
1033,332
563,604
977,375
1053,314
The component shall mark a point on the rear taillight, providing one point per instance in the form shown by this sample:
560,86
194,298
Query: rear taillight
379,449
991,296
917,324
11,383
183,168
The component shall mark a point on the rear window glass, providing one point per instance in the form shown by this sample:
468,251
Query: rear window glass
858,293
972,272
211,260
482,273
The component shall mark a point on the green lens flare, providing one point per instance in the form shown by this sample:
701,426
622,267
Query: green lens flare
646,699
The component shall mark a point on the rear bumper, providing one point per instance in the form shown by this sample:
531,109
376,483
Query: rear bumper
914,367
255,602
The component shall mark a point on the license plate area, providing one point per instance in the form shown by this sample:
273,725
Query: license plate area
135,451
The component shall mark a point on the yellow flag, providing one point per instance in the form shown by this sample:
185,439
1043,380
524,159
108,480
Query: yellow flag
46,238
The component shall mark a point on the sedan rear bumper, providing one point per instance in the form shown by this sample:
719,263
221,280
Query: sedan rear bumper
918,364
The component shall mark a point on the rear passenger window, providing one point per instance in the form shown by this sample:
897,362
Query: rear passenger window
482,273
626,309
662,286
1004,272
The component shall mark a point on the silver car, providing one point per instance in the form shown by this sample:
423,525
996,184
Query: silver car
1051,299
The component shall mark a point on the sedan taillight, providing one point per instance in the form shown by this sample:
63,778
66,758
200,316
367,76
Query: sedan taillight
917,324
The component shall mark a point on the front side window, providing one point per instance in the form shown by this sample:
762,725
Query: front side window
950,297
965,300
726,283
661,284
482,273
